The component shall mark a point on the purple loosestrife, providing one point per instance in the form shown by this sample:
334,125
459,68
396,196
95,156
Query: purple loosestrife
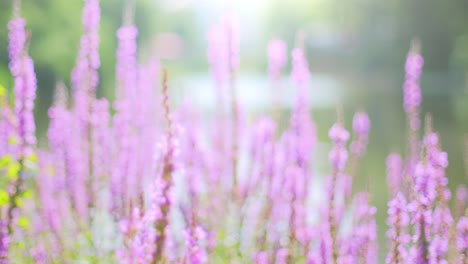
365,229
231,25
101,143
139,237
263,158
84,76
442,217
124,173
49,187
461,200
39,255
361,127
412,100
64,142
217,54
222,53
462,240
262,147
301,143
421,209
161,224
394,173
277,58
195,253
85,79
398,221
22,69
4,242
261,258
279,197
126,62
302,127
360,245
7,128
192,159
281,256
428,186
338,156
146,119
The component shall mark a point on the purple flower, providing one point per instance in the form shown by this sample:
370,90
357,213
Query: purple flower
338,134
126,63
361,242
361,126
84,76
223,48
394,172
361,123
22,69
261,258
282,256
398,220
277,57
125,171
412,91
8,124
338,154
462,239
461,200
300,73
4,242
194,242
39,255
16,44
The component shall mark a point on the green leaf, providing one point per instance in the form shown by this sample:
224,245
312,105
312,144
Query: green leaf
13,170
20,245
18,202
32,158
5,160
4,198
3,91
23,222
27,194
13,141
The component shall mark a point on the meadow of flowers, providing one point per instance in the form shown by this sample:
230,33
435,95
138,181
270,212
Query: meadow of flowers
142,181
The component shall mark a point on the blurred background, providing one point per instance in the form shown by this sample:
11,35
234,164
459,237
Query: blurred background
356,51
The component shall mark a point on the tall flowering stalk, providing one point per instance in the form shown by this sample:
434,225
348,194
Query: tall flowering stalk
443,220
277,59
301,143
361,127
232,36
161,224
461,201
22,70
398,221
394,173
4,242
223,57
462,240
85,80
338,157
360,246
125,171
411,101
